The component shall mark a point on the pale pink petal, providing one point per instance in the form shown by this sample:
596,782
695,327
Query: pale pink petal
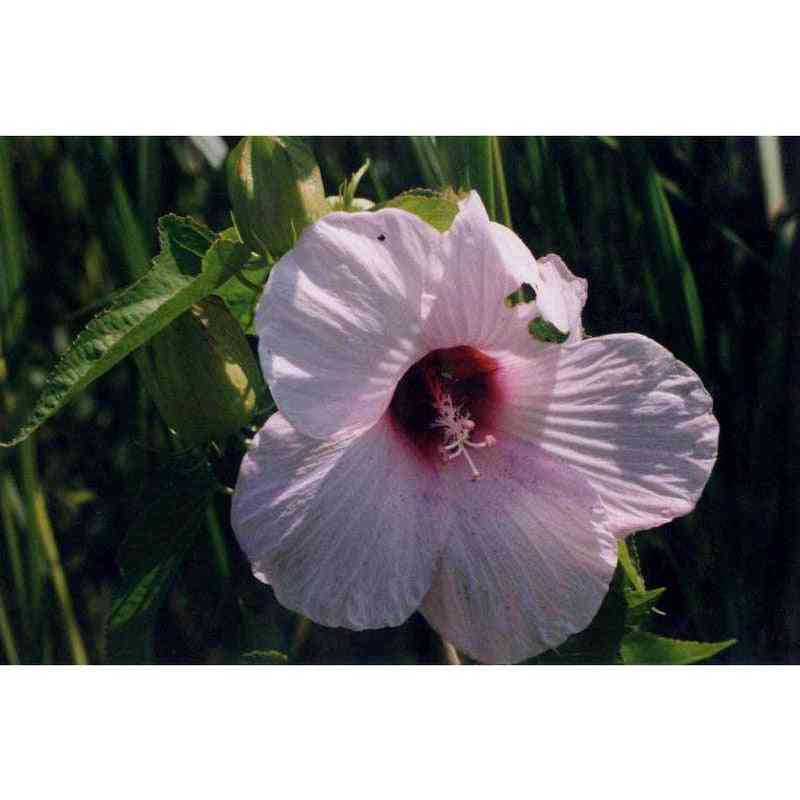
347,532
339,321
560,296
624,412
528,559
514,254
479,264
513,336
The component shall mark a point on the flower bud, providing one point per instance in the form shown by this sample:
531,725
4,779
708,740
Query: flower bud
202,374
275,188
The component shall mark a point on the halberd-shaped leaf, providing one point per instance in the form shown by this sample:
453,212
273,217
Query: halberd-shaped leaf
193,262
639,647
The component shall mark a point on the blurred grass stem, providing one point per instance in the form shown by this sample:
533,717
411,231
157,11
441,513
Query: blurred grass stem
775,197
7,635
43,530
218,543
501,190
7,498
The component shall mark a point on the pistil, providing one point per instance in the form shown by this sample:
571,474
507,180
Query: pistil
457,427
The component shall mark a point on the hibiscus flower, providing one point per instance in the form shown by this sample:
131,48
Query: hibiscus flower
429,454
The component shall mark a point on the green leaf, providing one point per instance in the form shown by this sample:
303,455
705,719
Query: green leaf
640,605
185,241
264,657
639,647
171,511
545,331
192,264
240,296
435,209
134,610
242,299
629,562
348,192
636,599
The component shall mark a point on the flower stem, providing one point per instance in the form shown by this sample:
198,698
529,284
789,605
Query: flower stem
301,632
450,654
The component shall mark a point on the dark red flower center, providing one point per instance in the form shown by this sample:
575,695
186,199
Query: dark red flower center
461,376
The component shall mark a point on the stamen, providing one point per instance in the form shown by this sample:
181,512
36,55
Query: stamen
457,427
473,468
489,441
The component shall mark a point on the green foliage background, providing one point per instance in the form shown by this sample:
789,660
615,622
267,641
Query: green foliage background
687,240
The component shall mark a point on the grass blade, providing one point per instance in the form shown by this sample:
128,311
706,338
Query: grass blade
468,163
7,635
39,523
503,206
427,159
